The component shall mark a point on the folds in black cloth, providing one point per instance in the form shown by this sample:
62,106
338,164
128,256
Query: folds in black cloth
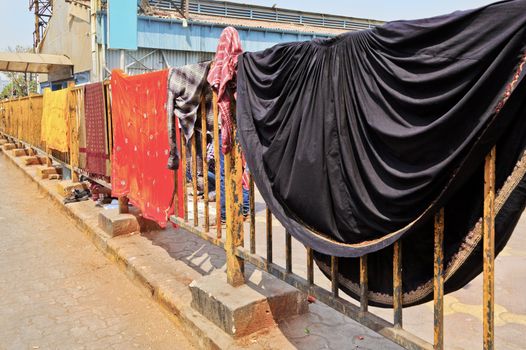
356,141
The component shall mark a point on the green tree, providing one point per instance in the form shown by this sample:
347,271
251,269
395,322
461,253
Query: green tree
20,84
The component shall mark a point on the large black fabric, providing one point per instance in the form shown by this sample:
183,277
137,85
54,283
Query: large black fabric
357,141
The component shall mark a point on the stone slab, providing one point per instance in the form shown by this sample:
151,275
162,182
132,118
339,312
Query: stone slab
115,224
44,172
19,152
31,160
66,187
8,146
257,305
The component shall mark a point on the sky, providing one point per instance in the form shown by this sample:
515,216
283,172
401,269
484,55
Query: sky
17,23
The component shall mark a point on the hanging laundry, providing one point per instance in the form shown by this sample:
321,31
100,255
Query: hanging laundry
358,140
222,78
140,143
54,119
95,119
186,87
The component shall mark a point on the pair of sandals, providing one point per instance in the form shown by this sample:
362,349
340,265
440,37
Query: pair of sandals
77,196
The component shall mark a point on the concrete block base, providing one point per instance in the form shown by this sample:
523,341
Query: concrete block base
66,187
34,160
259,304
115,224
8,146
45,172
19,152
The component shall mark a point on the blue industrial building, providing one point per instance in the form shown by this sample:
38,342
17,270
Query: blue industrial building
172,33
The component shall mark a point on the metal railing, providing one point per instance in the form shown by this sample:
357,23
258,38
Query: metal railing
261,13
232,240
232,237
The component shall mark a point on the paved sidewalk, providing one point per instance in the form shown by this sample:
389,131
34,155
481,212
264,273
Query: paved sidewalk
57,291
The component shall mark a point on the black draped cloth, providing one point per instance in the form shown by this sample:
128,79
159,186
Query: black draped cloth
359,140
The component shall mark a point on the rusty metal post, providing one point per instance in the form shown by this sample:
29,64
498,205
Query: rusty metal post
205,162
397,283
217,165
438,285
364,284
234,214
123,205
488,229
72,109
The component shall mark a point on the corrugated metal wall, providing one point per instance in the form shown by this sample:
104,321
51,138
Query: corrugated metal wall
152,59
170,34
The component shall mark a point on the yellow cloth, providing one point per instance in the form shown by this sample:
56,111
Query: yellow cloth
55,116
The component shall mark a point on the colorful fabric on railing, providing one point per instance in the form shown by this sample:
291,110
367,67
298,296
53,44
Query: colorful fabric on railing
140,143
186,87
55,119
357,141
95,114
222,78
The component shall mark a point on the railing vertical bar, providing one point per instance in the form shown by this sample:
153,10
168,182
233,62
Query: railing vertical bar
438,285
195,201
288,252
488,227
310,265
252,216
205,162
183,168
397,283
334,276
269,236
364,284
217,165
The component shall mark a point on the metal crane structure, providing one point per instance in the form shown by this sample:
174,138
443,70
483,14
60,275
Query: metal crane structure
43,9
